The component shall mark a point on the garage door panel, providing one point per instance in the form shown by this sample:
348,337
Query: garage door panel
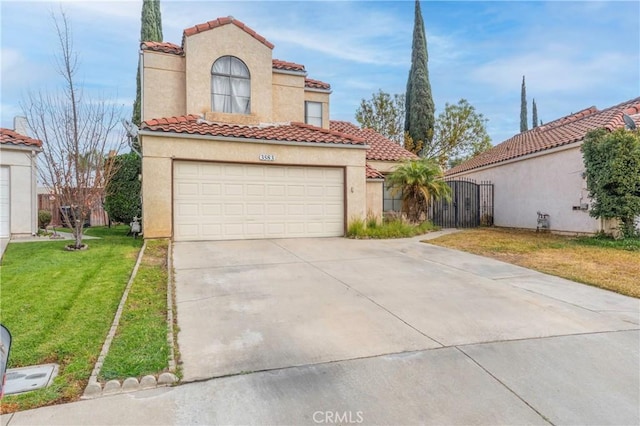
295,190
333,209
211,230
187,189
211,209
255,209
215,201
234,189
211,188
274,171
276,190
295,209
334,191
233,209
186,169
188,210
255,189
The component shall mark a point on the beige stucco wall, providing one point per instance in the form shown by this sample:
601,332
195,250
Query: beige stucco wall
201,51
176,85
551,183
159,152
23,196
288,97
384,167
323,97
163,84
374,198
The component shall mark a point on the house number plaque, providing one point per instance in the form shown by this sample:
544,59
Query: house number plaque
267,157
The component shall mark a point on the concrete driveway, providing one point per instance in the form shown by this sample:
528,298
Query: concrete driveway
397,332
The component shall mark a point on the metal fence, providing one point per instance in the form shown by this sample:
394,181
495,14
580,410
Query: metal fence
471,205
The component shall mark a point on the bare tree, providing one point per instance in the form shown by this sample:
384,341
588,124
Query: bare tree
78,135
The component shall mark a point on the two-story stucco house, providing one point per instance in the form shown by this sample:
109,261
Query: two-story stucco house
542,170
239,145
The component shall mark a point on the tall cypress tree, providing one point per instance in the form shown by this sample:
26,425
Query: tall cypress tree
523,107
150,30
419,107
534,112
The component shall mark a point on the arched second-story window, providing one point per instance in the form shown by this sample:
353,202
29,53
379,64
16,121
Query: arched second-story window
230,86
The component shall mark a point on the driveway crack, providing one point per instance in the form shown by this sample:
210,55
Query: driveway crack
506,386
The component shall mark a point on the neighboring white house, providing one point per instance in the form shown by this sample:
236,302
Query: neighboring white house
542,170
18,176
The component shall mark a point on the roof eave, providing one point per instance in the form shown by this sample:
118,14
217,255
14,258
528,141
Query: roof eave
163,133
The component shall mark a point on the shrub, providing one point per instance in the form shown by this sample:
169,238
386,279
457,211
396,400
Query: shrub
356,228
44,218
122,200
394,228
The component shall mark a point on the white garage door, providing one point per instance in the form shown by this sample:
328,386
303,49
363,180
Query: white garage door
214,201
5,204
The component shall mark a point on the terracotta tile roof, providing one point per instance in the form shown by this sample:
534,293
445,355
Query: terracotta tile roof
563,131
316,84
292,132
288,66
381,148
372,173
11,137
163,47
225,21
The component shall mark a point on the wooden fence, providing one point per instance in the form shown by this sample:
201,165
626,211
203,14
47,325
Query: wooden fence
99,216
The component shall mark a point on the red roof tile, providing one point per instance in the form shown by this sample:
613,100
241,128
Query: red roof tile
316,84
380,148
11,137
163,47
293,132
372,173
563,131
224,21
288,66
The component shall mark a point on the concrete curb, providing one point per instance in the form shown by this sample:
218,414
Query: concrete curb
113,387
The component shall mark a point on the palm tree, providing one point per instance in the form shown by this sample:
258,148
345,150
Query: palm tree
420,181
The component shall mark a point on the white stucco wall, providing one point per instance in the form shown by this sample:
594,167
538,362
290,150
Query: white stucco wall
23,198
550,182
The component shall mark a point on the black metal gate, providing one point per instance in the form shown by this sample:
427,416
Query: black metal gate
471,205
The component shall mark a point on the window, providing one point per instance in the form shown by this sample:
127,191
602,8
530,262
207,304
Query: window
391,202
313,113
230,86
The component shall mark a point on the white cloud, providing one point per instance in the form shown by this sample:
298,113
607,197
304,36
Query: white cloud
554,70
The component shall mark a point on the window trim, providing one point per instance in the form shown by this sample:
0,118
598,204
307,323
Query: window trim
306,113
229,78
396,201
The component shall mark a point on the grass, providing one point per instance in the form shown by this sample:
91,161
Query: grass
372,228
59,306
140,345
598,261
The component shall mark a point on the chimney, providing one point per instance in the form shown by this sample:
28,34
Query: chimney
20,125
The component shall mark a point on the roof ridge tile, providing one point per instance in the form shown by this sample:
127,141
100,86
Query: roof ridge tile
209,25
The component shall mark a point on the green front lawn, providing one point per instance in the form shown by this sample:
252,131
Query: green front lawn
140,345
59,306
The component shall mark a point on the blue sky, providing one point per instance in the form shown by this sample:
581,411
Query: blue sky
573,54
